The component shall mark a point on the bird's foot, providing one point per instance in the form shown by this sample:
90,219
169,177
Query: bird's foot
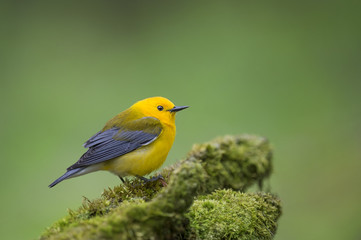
153,179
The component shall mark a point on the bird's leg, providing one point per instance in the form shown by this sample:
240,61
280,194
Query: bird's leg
122,179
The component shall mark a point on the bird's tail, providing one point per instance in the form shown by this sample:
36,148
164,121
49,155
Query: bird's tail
67,175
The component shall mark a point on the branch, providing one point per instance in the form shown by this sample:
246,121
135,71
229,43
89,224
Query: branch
136,211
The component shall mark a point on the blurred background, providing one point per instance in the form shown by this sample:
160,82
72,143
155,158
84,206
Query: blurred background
288,70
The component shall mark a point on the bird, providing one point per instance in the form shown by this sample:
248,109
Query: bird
135,142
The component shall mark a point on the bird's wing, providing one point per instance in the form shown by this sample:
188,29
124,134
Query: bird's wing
117,141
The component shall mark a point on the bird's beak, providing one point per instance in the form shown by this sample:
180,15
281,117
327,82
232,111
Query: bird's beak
177,108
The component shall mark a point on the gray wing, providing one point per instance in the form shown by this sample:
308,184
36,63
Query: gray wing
115,142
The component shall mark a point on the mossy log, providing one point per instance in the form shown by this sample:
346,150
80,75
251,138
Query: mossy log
192,206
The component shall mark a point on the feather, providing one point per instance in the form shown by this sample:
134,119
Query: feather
117,141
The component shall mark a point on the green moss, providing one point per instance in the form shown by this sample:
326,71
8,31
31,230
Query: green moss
234,162
136,211
133,192
227,214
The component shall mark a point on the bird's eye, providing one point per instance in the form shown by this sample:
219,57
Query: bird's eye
160,108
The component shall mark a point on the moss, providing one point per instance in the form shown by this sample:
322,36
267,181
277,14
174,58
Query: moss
234,162
227,214
136,211
132,193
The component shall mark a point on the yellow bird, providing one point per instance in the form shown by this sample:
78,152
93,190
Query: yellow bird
134,142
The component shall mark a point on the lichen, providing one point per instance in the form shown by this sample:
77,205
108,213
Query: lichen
149,211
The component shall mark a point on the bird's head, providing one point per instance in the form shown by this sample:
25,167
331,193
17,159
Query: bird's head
158,107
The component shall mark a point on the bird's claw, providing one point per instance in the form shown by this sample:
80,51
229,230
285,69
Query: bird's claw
153,179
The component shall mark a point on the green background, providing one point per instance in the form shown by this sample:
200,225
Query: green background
288,70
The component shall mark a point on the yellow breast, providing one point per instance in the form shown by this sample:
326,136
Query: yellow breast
144,159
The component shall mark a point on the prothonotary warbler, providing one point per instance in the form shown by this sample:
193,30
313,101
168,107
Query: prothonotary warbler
134,142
